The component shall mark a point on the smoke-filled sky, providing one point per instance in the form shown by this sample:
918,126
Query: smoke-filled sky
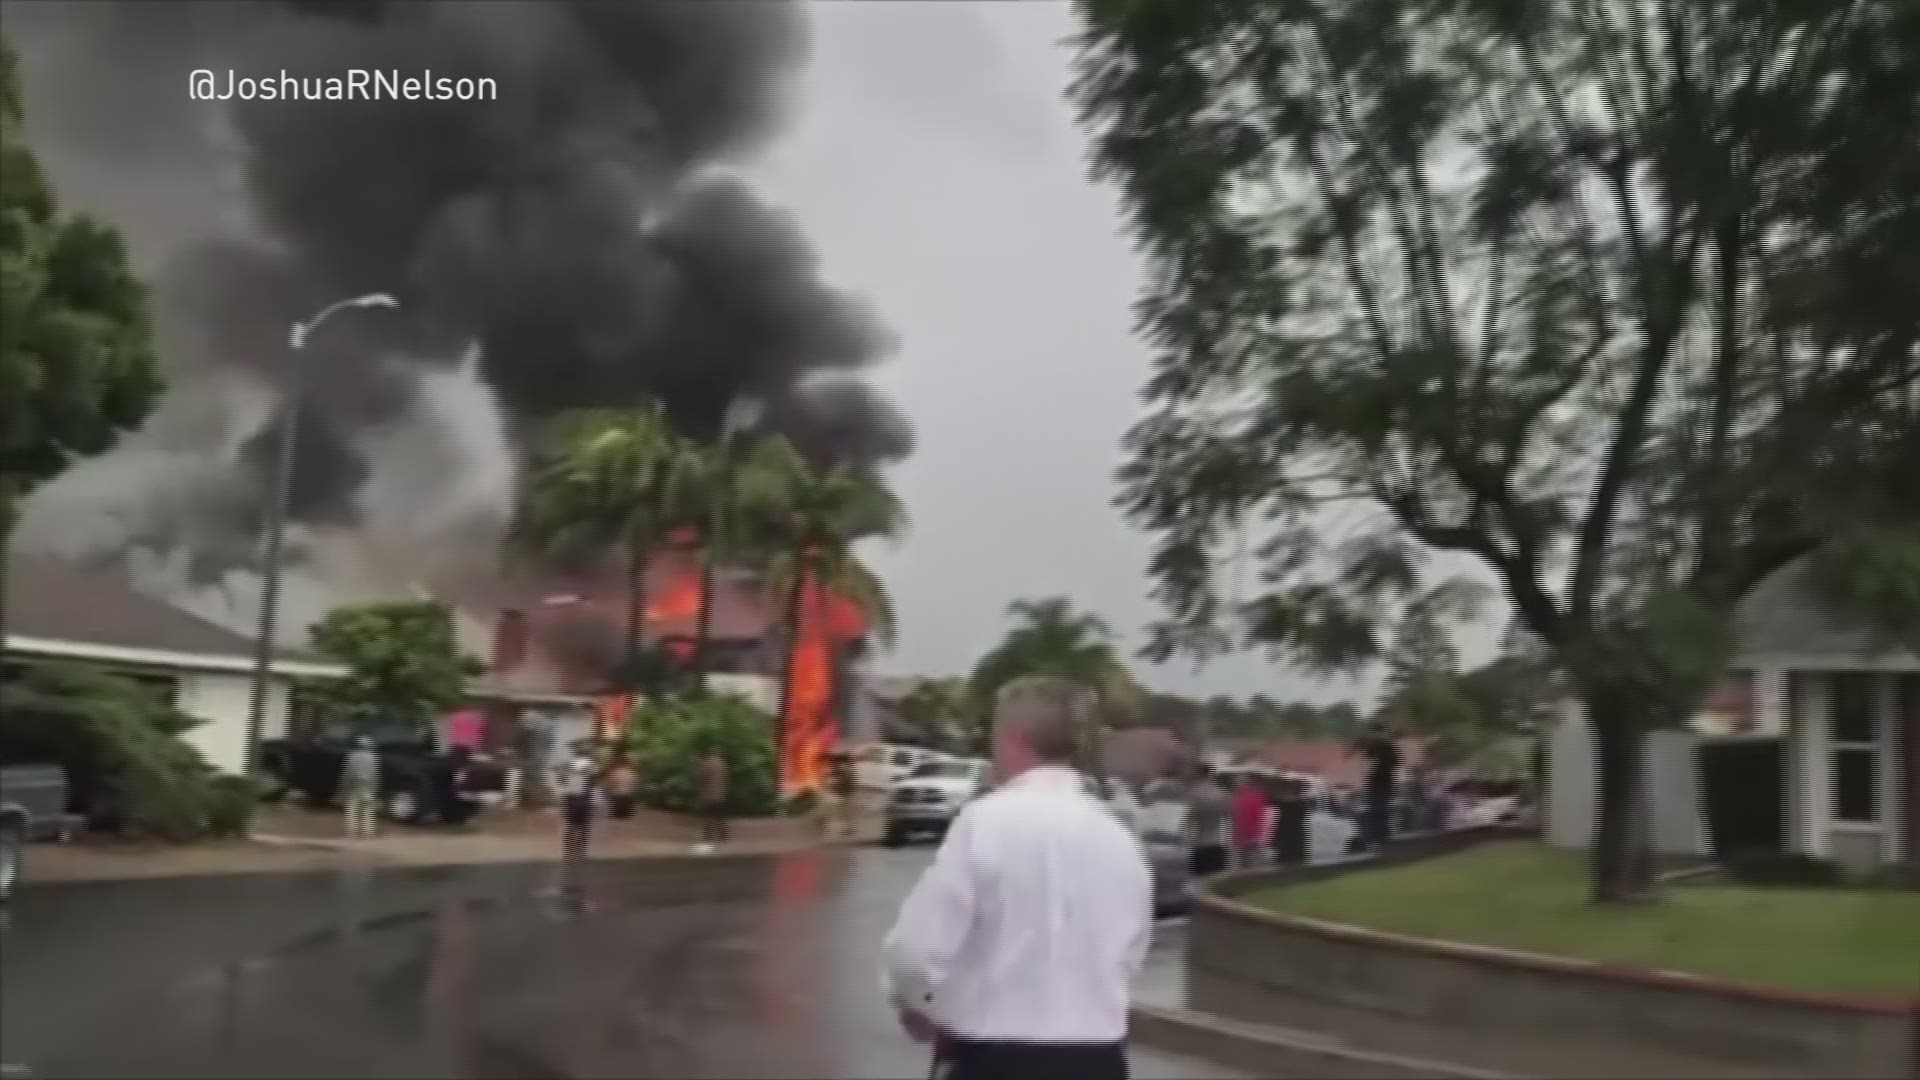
966,269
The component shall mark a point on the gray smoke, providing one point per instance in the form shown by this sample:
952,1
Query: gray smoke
583,228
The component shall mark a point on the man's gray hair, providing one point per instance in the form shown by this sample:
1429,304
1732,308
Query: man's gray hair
1051,713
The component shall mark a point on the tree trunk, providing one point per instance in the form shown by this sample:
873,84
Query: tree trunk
1623,833
9,517
703,620
637,553
792,623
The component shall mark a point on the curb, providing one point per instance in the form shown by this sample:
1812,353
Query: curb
1263,1050
344,854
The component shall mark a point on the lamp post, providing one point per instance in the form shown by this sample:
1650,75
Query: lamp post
276,518
741,416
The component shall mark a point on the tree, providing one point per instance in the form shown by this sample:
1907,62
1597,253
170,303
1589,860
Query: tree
77,364
404,663
946,713
736,495
821,513
1613,296
602,481
1049,637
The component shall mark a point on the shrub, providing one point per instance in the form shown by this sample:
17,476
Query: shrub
230,803
119,743
668,737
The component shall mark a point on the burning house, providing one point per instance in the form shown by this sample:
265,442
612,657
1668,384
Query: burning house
574,631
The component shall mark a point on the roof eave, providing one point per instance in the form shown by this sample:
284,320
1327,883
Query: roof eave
57,649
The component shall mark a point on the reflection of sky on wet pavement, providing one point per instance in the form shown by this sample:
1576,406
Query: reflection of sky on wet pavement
715,968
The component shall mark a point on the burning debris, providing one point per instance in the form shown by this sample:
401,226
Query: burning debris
582,633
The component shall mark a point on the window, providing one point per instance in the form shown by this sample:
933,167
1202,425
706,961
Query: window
1853,705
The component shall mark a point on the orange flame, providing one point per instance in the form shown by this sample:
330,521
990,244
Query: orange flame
809,728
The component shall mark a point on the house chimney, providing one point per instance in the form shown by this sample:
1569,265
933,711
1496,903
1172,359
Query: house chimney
510,640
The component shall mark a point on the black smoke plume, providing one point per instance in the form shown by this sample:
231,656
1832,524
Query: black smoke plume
583,228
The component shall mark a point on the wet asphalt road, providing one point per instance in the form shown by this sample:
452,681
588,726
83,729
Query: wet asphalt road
727,967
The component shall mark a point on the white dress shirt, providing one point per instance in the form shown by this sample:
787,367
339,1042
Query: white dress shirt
1032,922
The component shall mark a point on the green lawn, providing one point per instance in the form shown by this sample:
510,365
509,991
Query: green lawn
1531,898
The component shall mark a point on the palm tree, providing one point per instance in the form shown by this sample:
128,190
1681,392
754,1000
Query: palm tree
946,712
737,496
605,480
809,520
1050,637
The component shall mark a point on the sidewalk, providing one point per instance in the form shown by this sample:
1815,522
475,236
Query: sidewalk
290,841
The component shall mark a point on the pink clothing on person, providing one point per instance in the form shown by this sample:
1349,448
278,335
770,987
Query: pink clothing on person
1249,816
466,728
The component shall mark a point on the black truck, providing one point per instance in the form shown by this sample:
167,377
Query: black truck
419,783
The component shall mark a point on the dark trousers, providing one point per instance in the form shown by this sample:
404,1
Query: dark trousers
965,1059
1376,825
713,827
576,816
1209,859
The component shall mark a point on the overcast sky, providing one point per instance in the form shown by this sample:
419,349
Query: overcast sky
938,166
934,159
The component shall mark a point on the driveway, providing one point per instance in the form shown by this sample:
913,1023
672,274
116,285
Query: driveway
756,966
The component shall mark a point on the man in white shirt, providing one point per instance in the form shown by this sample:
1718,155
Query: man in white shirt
1017,951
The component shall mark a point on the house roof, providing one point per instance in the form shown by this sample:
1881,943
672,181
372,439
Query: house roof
53,601
1336,762
1785,618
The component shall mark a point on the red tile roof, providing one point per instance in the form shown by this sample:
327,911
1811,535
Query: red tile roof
1334,761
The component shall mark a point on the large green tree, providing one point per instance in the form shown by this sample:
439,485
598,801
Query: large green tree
1052,637
405,666
77,364
1615,296
607,481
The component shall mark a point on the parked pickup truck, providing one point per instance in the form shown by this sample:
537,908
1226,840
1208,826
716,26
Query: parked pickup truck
419,784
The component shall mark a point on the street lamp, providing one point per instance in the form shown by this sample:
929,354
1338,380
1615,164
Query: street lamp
276,518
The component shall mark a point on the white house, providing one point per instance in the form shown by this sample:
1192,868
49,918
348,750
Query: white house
58,611
1845,707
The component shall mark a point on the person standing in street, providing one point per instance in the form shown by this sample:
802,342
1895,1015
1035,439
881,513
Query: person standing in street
360,788
1209,809
623,787
576,803
1016,953
1383,768
711,777
840,793
1249,822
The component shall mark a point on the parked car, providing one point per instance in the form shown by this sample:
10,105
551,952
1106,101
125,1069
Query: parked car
419,783
926,802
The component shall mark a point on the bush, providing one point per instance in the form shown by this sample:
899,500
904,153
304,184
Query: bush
119,743
668,737
230,803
